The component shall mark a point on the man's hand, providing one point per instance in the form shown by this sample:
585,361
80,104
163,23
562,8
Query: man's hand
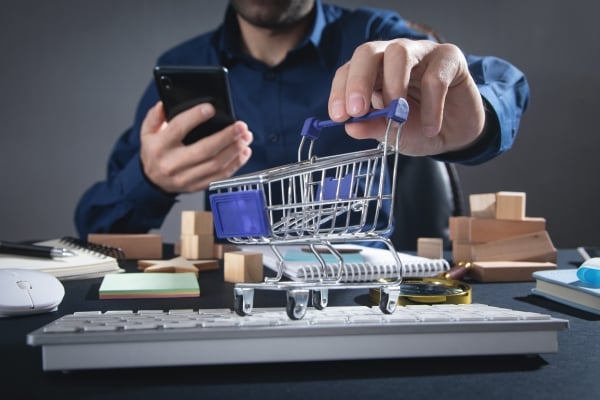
446,110
177,168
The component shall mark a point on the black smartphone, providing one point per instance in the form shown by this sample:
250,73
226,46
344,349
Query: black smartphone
182,87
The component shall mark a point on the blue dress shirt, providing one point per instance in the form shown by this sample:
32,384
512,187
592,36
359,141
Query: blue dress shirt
275,101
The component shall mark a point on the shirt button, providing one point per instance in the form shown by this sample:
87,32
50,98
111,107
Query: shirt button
270,75
273,138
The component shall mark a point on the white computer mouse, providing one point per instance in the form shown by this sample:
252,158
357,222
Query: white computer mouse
24,291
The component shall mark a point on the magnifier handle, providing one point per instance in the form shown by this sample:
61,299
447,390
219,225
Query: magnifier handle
456,272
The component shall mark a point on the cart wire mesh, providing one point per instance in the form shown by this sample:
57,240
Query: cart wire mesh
316,201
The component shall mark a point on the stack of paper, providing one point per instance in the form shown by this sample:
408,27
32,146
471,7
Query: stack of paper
140,285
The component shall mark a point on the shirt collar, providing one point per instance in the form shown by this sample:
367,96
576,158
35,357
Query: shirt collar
228,42
319,25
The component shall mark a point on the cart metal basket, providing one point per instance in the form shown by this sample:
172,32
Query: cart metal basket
316,202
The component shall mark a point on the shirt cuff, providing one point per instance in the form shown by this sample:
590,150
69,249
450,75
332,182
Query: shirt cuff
144,194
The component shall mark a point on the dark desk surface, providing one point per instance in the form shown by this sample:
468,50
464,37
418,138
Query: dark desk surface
571,373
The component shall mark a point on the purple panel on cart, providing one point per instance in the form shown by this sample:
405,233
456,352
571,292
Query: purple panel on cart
240,214
330,188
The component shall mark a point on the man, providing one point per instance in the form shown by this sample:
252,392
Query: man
288,60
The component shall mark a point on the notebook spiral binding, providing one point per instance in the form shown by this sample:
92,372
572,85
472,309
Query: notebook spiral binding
99,249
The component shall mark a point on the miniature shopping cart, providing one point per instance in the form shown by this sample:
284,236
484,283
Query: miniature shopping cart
316,202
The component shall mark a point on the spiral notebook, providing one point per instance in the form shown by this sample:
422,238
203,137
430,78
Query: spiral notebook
90,260
361,264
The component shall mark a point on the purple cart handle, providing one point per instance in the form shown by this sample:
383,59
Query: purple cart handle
397,110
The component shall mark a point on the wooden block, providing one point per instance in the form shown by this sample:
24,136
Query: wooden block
535,246
196,223
220,249
510,205
480,230
206,265
507,271
459,228
179,263
243,266
174,269
195,247
430,248
173,262
462,252
135,246
483,205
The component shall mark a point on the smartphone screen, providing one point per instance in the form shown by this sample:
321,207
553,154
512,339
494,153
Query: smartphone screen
182,87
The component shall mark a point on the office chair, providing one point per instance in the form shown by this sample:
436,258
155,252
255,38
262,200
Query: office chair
428,193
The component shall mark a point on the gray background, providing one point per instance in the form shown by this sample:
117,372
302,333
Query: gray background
72,71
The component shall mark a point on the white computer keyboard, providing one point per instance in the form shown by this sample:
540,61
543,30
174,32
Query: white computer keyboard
124,339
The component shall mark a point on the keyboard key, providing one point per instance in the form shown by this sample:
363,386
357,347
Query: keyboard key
179,324
222,323
99,328
59,329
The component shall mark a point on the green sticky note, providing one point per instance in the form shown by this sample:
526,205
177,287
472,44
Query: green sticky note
140,285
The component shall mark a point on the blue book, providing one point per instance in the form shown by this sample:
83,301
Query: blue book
563,286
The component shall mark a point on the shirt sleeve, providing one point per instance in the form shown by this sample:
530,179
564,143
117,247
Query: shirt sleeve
125,202
505,92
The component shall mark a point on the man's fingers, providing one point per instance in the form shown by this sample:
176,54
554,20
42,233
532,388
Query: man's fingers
398,63
442,67
154,119
214,151
363,72
221,165
337,99
215,144
353,83
183,123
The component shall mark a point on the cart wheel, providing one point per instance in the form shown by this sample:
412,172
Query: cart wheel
297,303
388,300
320,299
238,305
242,301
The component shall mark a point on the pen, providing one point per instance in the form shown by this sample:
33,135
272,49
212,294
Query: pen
32,250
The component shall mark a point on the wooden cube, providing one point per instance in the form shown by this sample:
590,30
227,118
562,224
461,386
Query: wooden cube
483,205
221,248
510,205
430,248
243,266
196,223
195,247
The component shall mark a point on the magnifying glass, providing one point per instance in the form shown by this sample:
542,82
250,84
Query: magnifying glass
442,289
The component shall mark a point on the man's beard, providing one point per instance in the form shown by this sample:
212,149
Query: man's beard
272,14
